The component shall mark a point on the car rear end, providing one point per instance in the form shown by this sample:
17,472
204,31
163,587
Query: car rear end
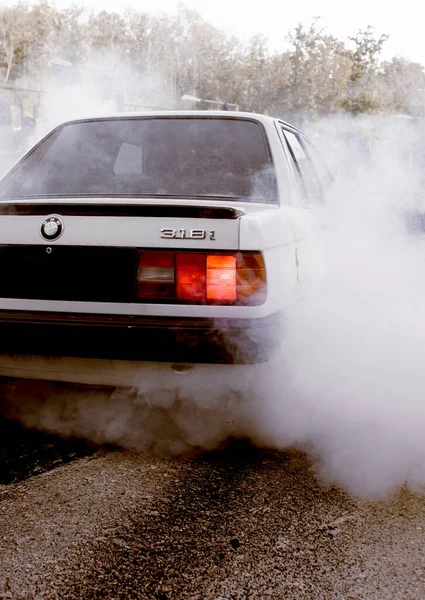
124,250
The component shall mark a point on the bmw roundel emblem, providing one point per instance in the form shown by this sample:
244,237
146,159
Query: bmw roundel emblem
51,228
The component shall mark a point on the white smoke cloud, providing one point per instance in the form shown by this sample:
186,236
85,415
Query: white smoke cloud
353,348
348,384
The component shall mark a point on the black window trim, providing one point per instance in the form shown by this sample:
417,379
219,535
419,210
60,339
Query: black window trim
304,142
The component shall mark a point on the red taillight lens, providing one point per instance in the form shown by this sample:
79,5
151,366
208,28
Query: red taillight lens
190,276
235,278
221,277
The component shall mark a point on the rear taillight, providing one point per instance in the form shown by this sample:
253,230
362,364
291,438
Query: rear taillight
221,277
190,277
155,276
235,278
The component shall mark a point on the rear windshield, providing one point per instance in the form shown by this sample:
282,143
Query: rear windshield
183,157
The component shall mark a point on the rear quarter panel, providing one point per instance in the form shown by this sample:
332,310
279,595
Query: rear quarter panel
286,234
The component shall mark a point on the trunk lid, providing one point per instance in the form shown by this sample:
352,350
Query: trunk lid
123,223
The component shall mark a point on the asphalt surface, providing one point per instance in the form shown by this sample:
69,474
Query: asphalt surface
79,521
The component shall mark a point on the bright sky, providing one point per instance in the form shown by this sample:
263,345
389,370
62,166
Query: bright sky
403,22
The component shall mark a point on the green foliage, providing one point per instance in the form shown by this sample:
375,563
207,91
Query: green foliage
162,58
366,54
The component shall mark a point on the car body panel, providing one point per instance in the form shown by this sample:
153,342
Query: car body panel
122,231
117,373
282,231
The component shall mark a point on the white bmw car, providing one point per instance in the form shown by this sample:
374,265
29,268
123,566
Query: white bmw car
157,242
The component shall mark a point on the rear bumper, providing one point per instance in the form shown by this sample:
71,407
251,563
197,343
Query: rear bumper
105,349
150,376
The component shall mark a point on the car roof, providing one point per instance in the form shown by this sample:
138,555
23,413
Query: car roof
180,113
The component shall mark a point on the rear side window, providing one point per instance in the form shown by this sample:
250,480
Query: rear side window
310,184
168,157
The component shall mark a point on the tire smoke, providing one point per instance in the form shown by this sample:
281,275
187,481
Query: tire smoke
348,384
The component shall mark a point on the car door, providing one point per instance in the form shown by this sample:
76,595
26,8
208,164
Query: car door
312,180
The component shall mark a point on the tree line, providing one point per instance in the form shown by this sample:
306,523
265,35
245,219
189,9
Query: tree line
158,59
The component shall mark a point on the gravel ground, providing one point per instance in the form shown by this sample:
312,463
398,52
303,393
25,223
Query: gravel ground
26,453
240,523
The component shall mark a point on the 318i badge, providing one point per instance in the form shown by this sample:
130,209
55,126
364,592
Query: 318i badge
187,234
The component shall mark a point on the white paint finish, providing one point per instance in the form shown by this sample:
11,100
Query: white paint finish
264,119
144,232
283,233
161,310
278,231
277,227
